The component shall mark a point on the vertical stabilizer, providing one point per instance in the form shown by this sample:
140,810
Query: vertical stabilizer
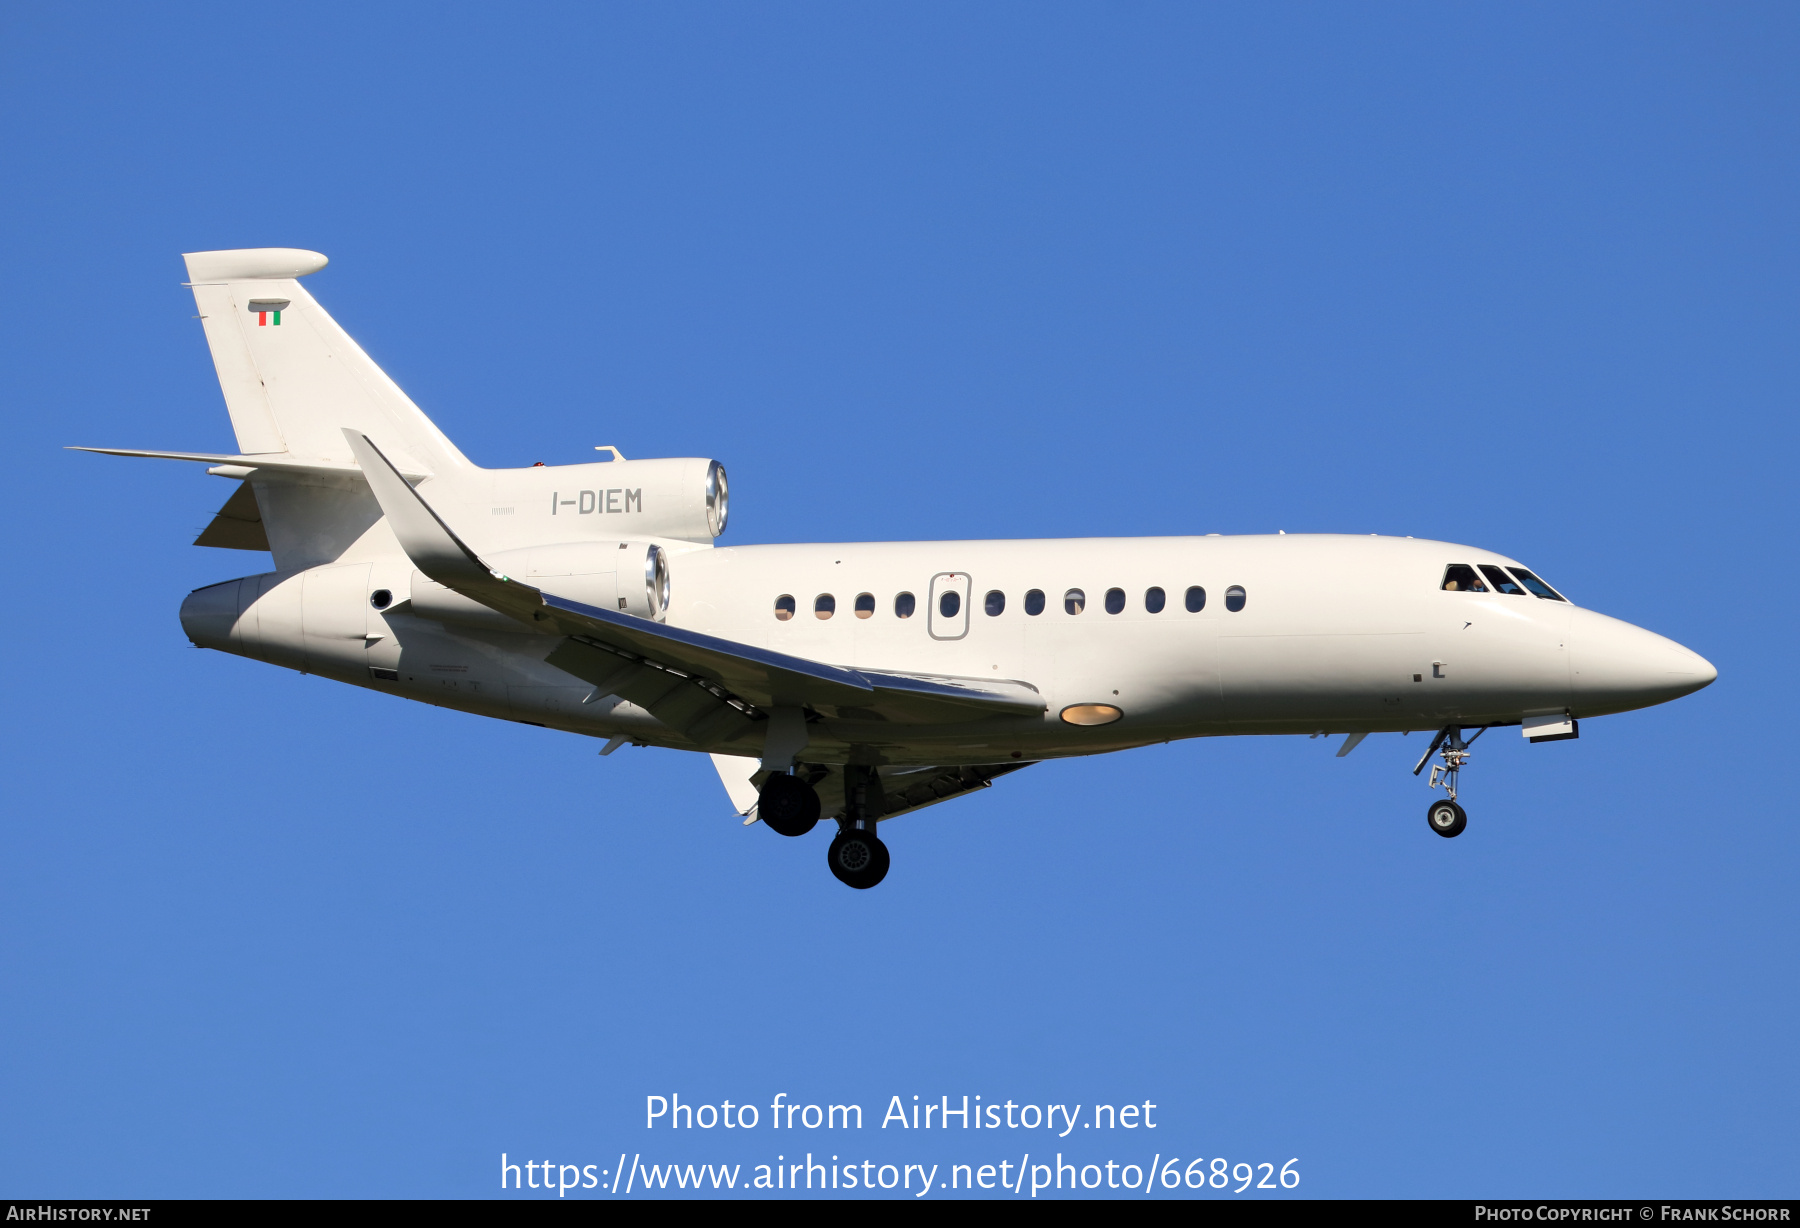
292,378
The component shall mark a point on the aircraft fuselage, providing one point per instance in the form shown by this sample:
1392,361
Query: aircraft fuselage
1332,633
850,682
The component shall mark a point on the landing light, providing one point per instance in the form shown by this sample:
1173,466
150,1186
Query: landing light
1091,714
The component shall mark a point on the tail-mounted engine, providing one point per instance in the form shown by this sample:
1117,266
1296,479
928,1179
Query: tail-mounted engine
680,499
631,577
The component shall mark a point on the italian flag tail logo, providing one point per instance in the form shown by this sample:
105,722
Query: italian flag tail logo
268,311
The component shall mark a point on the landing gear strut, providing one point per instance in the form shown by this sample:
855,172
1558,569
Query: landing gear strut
1445,816
857,856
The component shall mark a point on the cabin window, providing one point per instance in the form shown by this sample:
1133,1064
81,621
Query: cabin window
1234,598
824,606
784,607
1461,578
1537,586
1034,602
1153,600
1195,599
1074,601
904,605
995,605
950,604
1501,581
865,605
1115,601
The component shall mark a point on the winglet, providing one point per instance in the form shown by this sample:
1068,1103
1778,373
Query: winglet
432,545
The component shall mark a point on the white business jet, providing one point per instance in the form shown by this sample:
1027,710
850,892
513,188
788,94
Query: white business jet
855,682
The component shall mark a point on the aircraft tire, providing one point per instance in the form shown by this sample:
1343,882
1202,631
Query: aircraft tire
1446,818
788,805
858,859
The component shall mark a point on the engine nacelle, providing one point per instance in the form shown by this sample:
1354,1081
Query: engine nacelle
680,499
632,577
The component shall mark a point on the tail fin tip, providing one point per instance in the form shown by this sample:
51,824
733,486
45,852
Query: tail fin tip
252,264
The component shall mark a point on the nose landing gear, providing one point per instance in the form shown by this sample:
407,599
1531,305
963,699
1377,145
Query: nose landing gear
1445,816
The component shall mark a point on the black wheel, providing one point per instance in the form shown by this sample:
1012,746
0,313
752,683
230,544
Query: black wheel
788,805
858,858
1446,818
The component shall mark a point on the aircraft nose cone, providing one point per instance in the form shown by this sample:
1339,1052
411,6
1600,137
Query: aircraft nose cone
1694,669
1617,667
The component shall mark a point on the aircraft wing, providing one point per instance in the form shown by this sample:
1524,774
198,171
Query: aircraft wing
607,644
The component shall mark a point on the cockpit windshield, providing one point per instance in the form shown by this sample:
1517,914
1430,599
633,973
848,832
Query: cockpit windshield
1461,578
1501,581
1487,578
1537,586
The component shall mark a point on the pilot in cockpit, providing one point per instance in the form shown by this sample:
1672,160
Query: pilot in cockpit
1460,577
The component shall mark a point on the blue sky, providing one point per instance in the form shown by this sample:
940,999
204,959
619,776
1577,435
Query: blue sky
1516,275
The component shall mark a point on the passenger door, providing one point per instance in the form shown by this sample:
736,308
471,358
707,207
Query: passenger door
948,612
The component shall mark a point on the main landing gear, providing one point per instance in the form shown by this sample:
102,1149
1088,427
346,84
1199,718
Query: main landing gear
789,805
857,856
1445,817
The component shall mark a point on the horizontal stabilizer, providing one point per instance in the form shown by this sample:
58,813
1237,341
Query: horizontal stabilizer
274,462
